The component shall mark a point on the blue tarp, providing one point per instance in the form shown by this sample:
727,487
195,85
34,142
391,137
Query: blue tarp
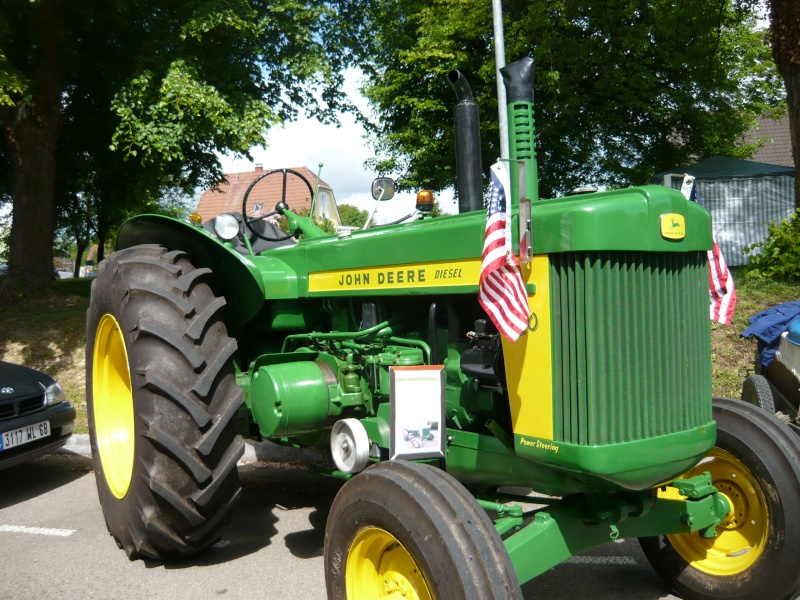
767,327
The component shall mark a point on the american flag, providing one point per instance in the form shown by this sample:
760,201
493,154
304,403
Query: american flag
501,290
721,291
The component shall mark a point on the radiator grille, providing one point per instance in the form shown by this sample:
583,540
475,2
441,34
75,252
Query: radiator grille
631,345
21,406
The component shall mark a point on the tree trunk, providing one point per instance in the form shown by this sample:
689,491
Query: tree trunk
81,248
785,38
102,235
32,151
31,128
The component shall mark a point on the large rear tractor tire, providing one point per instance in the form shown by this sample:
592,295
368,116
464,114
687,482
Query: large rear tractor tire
162,401
408,530
756,465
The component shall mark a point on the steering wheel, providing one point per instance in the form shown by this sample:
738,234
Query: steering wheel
279,208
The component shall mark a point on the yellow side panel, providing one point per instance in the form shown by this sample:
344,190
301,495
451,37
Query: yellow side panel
529,361
416,275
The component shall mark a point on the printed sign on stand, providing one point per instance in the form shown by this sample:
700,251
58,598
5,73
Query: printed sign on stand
417,398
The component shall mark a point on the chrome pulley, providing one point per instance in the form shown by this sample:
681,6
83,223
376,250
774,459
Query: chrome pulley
349,445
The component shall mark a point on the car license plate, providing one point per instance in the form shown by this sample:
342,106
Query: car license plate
24,435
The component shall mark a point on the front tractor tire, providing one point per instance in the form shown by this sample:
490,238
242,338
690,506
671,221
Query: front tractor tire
756,465
162,402
407,530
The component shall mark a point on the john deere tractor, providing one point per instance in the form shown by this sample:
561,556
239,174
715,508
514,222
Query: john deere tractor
199,335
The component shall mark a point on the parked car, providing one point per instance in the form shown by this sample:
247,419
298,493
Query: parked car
35,417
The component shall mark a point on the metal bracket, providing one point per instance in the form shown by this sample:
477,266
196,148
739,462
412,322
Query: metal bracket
525,231
695,487
500,434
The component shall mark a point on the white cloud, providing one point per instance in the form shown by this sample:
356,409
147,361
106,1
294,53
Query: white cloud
342,152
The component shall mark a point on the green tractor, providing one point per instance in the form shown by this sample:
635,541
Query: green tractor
418,435
200,335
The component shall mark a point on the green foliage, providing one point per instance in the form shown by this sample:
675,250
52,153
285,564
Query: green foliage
778,257
160,118
174,203
325,223
223,74
12,83
5,230
437,210
147,93
622,89
352,216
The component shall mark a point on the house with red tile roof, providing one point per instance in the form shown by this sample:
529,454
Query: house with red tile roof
267,192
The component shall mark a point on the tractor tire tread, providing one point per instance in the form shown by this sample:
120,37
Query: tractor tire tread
186,402
756,390
158,384
417,503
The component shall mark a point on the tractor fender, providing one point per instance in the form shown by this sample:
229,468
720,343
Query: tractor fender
235,276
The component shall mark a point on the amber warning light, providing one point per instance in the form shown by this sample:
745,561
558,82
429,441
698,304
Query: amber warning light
425,201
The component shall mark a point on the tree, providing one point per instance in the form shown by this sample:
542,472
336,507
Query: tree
622,89
352,216
85,221
74,223
785,41
149,88
437,210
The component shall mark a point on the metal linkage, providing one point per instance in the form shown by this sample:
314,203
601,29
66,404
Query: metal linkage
577,523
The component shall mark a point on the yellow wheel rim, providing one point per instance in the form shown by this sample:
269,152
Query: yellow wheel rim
741,538
113,406
379,566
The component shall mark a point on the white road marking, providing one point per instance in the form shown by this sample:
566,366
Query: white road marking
36,530
602,560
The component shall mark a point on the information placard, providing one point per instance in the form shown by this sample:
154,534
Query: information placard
417,399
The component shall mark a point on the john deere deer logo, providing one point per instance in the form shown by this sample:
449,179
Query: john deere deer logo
673,226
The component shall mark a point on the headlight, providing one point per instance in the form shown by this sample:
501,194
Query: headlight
54,394
226,226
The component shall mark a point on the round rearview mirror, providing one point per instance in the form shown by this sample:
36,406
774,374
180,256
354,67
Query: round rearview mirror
383,188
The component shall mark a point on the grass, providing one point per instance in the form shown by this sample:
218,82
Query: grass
49,334
731,355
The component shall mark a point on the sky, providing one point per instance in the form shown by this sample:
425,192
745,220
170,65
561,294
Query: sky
342,152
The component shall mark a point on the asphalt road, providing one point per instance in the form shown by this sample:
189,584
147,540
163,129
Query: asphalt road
54,544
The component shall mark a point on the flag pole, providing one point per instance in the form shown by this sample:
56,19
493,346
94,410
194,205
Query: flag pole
500,62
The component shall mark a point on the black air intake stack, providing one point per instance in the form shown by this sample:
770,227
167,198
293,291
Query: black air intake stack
468,146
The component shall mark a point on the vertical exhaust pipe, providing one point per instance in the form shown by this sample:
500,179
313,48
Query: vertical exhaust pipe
468,146
518,80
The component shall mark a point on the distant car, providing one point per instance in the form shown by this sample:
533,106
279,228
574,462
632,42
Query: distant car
35,417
